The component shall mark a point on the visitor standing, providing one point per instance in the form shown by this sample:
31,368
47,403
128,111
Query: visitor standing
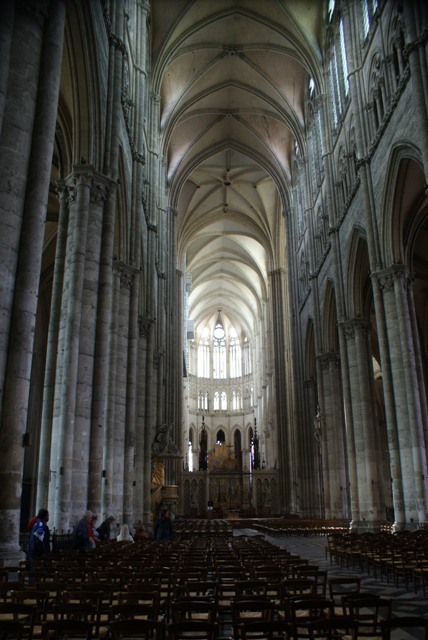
81,539
104,530
163,526
40,544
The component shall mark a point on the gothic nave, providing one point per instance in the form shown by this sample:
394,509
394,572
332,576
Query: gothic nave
213,292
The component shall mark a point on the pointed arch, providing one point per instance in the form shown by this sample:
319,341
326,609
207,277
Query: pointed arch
310,352
330,319
403,196
358,272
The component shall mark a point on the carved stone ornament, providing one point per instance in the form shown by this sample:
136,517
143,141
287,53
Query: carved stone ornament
163,445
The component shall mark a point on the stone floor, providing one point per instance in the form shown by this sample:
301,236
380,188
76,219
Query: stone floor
405,603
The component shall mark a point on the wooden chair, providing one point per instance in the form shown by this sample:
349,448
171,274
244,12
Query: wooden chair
338,586
92,598
264,630
132,611
35,599
141,629
250,610
6,589
266,572
308,609
318,575
52,593
192,630
194,609
86,611
294,588
254,587
226,592
147,598
412,626
202,588
333,628
370,611
420,571
64,629
347,600
24,614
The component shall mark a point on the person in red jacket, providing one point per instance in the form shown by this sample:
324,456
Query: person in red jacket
31,524
93,537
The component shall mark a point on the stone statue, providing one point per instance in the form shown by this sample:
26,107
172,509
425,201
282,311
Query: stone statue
163,444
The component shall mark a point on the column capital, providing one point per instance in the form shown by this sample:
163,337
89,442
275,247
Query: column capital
395,273
350,328
328,359
126,273
82,173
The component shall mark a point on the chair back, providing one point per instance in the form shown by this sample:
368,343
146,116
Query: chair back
333,628
192,630
370,611
141,629
194,609
64,629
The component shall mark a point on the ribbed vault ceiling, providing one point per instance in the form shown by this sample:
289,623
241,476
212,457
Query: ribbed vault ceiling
232,76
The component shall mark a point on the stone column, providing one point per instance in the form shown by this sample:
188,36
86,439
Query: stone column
332,438
284,451
43,477
142,442
98,497
61,466
18,120
131,401
148,329
414,461
109,500
87,349
382,291
121,475
310,451
364,422
22,229
139,214
96,479
353,433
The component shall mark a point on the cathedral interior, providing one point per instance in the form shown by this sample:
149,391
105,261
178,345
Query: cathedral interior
213,261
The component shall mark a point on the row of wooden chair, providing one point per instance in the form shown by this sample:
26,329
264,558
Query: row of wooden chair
300,526
401,558
314,626
156,580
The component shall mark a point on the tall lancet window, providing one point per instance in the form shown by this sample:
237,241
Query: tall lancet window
204,354
219,350
235,356
247,357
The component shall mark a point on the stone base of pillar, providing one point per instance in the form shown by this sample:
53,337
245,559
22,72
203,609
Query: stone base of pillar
11,555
